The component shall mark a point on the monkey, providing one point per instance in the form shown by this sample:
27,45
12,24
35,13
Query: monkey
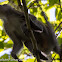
15,26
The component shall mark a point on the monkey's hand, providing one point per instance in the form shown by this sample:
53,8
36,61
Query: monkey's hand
40,54
19,60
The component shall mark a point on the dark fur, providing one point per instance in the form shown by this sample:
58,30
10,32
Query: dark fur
15,27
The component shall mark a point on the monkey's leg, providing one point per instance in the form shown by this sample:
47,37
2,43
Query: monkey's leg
16,49
17,46
17,42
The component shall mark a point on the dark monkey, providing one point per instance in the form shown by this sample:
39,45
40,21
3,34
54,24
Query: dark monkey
15,26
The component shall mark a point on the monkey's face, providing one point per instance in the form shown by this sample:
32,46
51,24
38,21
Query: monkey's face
4,8
2,12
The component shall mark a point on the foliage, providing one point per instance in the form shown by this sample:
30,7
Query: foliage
36,11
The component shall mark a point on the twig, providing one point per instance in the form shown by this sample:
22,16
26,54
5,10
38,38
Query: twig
60,58
36,1
53,58
46,18
43,14
29,28
19,3
57,58
32,4
60,3
58,33
58,26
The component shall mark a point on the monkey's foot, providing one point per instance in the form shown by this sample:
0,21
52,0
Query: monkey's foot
40,54
20,60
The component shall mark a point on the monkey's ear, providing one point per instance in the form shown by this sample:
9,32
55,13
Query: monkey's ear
36,26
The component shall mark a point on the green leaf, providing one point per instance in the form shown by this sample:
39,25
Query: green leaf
52,2
7,45
33,11
60,38
5,56
1,45
58,14
1,23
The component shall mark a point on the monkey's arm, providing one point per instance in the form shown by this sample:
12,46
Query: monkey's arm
17,42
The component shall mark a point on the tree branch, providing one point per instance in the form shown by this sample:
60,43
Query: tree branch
32,4
19,3
58,33
58,26
29,28
60,3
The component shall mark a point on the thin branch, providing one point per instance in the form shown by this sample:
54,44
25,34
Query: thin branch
36,1
19,3
58,33
43,14
60,3
58,26
57,58
32,4
46,18
29,28
26,14
53,58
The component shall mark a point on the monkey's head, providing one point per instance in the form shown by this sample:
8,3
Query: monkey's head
3,9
